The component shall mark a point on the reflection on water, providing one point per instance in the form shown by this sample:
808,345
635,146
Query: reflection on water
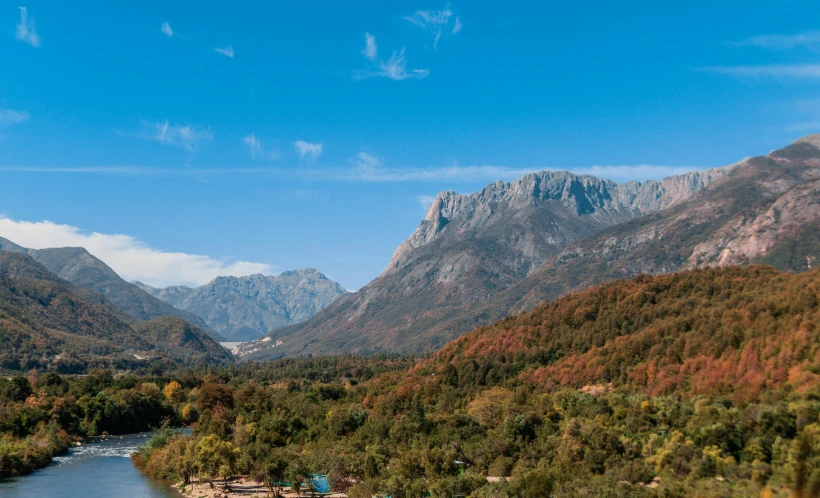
98,469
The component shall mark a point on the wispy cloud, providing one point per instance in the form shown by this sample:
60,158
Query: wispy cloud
456,173
11,117
25,29
370,50
257,150
394,68
808,39
166,30
304,193
227,51
182,136
132,259
366,163
254,145
774,70
425,201
360,172
621,173
436,22
307,150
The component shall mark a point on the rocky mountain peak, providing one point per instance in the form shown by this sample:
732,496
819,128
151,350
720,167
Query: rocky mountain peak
813,140
246,307
577,195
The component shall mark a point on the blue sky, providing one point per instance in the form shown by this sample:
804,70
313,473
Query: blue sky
180,140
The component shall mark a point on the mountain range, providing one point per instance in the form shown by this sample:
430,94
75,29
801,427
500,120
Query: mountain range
473,259
246,308
477,258
79,267
49,323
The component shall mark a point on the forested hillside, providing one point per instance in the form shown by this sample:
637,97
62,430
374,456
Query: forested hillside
738,332
702,383
81,268
47,323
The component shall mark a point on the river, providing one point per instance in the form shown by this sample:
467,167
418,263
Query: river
100,469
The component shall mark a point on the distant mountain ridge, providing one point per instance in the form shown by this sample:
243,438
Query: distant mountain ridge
80,267
246,308
49,323
468,249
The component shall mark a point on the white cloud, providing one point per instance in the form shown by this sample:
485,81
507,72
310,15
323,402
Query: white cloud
366,163
11,117
129,257
394,68
774,71
457,26
435,21
25,29
166,30
370,50
227,51
257,150
308,150
809,39
182,136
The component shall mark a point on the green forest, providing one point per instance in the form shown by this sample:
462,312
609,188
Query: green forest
701,383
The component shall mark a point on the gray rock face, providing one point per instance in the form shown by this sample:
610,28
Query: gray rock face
596,201
466,250
246,308
173,295
765,210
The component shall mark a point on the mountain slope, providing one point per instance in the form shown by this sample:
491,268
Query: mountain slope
470,248
49,323
78,266
245,308
180,338
736,331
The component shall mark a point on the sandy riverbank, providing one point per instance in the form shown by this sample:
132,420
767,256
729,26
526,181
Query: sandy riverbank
240,487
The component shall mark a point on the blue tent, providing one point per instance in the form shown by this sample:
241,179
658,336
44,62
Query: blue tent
319,483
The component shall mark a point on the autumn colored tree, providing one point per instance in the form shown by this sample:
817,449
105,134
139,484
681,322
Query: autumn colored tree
173,392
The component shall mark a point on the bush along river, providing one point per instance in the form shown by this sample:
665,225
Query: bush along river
96,469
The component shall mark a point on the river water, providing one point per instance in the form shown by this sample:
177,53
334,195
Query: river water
94,470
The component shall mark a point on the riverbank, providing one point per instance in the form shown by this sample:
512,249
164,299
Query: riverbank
241,487
22,456
99,468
